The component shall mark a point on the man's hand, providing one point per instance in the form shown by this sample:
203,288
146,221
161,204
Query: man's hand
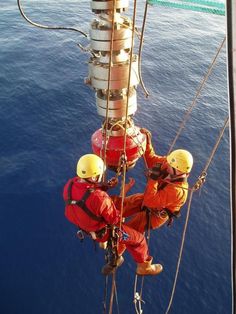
112,182
155,172
148,135
128,186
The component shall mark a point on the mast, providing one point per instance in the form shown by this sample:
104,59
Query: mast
231,51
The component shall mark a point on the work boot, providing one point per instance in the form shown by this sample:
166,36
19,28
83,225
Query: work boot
103,245
147,268
109,268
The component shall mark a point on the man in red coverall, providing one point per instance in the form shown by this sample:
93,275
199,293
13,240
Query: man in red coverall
166,190
92,210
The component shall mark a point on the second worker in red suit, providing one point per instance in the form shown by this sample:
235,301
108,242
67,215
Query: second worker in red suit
90,208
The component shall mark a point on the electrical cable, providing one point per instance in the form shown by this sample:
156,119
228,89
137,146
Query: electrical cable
47,27
140,51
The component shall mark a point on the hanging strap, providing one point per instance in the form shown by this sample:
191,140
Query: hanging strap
82,202
162,214
165,183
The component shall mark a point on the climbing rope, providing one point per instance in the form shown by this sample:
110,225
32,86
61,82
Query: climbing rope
138,300
105,295
204,80
113,289
125,128
47,27
126,113
113,293
122,166
196,186
138,296
117,302
104,148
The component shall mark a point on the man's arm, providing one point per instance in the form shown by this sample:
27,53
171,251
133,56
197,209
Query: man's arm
107,208
150,156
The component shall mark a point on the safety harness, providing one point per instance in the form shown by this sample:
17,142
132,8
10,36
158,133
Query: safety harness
158,174
111,251
82,202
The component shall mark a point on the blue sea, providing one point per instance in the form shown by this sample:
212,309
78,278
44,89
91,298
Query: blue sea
47,118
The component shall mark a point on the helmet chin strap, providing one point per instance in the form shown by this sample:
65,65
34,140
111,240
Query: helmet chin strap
99,178
96,179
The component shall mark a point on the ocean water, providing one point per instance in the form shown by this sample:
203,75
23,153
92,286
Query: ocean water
47,118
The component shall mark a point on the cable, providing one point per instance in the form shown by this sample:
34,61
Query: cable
117,302
113,289
48,27
105,142
105,296
126,113
204,80
140,51
188,213
138,295
201,178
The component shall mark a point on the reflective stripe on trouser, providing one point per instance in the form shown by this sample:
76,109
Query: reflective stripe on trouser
135,244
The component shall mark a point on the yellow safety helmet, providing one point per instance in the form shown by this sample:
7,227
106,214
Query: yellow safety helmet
90,165
181,160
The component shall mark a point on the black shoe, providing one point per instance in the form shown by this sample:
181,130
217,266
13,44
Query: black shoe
109,268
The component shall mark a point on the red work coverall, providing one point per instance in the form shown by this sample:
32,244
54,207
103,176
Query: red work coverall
101,205
172,197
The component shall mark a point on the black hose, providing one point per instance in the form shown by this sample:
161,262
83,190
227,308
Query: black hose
140,51
47,27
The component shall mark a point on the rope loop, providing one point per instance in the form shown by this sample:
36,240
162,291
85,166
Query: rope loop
138,298
122,164
138,303
200,181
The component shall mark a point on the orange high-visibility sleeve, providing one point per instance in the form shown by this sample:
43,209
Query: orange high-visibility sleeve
151,157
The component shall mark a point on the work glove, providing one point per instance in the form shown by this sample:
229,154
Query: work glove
109,184
112,182
155,172
148,135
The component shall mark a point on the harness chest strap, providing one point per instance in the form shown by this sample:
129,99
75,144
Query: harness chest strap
82,203
165,183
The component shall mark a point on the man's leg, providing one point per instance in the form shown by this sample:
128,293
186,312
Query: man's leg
132,204
137,246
